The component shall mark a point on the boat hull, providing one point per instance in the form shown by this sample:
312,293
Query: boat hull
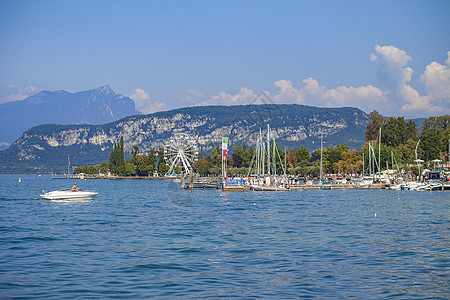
268,188
69,195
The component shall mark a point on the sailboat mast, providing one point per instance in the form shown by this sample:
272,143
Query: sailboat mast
285,165
379,152
268,149
274,162
392,158
363,164
321,154
262,153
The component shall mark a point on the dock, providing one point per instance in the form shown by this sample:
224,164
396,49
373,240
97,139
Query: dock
235,188
336,187
216,183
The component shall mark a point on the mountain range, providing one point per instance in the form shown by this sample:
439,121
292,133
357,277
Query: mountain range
96,106
45,148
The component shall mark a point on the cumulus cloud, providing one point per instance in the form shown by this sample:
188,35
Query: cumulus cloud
436,79
143,103
394,74
312,94
288,93
392,96
245,96
10,93
364,97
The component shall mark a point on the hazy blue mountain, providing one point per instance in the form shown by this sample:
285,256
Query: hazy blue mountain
97,106
45,148
419,122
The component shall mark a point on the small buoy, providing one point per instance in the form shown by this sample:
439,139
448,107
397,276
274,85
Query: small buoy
254,203
375,215
20,179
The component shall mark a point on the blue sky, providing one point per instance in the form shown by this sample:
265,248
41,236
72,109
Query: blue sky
392,56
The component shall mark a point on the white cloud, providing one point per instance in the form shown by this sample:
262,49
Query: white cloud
364,97
395,96
312,94
245,96
394,74
288,93
140,95
436,79
143,103
416,102
12,93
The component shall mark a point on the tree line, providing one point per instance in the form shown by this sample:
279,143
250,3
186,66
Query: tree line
399,139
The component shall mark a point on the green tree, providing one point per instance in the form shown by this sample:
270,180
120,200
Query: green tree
130,168
406,152
350,162
201,166
162,166
216,157
302,154
396,131
373,127
435,135
117,159
135,151
92,169
143,165
103,168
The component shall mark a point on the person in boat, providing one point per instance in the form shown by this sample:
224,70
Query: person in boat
74,187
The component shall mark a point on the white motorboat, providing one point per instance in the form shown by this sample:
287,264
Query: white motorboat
69,194
364,181
269,188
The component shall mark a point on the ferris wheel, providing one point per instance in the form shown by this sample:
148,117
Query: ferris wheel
181,150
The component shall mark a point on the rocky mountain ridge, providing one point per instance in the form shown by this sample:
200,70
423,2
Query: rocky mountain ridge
96,106
45,148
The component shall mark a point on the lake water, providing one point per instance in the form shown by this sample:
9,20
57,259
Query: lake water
145,238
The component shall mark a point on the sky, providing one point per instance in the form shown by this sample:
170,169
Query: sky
389,56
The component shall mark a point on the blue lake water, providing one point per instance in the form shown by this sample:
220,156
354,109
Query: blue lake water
145,238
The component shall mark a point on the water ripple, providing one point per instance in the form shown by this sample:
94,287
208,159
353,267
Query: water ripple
148,239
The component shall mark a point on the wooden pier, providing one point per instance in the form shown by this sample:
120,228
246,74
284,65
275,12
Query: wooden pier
336,187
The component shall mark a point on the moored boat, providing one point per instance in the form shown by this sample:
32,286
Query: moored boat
269,188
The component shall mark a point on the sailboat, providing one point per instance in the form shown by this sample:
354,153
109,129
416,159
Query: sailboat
324,185
262,172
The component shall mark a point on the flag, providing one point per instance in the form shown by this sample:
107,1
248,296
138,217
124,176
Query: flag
225,154
225,148
225,143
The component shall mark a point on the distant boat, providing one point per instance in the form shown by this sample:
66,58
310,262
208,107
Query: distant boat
69,194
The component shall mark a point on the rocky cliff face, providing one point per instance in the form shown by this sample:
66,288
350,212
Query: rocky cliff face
291,125
97,106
